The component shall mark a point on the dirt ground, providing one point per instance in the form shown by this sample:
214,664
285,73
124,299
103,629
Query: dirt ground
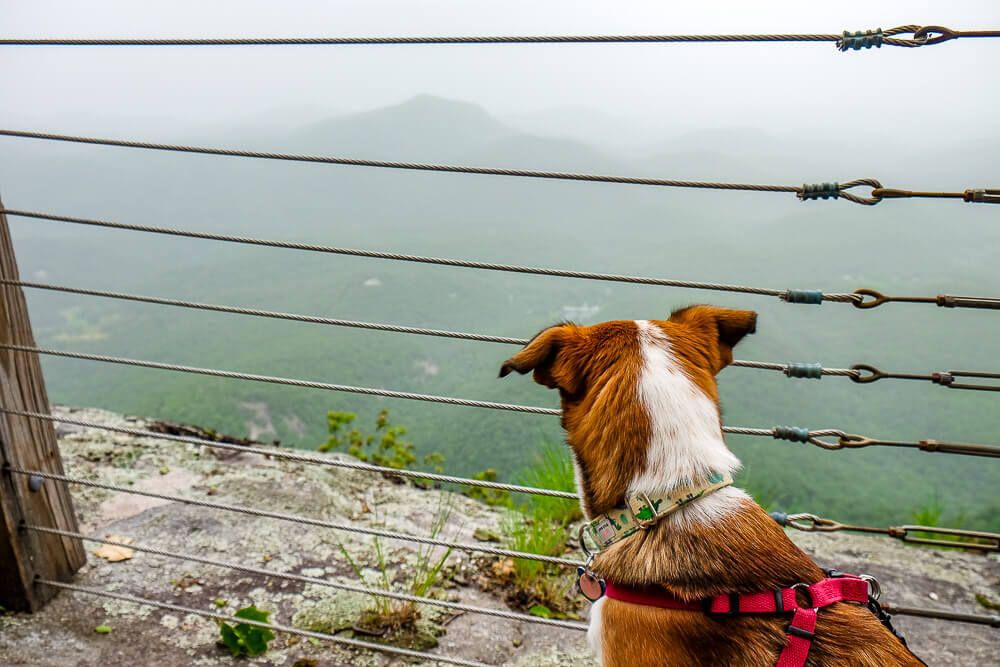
63,634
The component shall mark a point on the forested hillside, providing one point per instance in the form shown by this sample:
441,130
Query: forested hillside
768,240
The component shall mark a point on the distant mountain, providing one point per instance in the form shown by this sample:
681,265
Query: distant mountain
424,128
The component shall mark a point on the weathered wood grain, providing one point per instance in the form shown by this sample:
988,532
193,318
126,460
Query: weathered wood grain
28,444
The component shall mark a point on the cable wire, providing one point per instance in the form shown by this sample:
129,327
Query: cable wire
845,41
805,192
252,511
347,641
270,379
793,433
779,432
992,620
274,452
256,312
862,298
790,296
965,539
456,606
860,373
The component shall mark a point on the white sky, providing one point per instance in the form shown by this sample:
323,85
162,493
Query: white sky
943,92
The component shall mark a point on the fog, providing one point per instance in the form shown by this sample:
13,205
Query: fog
616,96
923,118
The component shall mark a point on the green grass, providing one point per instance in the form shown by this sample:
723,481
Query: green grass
553,469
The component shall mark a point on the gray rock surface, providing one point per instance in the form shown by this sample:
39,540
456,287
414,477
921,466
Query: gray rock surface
63,634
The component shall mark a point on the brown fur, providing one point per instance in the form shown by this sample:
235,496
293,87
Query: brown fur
596,371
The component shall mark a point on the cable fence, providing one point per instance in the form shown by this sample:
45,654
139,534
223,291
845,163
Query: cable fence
860,373
864,299
863,191
847,40
805,192
819,437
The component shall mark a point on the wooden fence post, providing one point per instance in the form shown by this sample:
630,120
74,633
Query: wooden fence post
28,444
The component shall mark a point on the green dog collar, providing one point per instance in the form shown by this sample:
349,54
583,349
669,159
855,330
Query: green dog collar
642,510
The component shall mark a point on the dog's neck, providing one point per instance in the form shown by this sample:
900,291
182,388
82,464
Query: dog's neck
685,435
716,542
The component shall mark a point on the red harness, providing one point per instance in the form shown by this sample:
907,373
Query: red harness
842,588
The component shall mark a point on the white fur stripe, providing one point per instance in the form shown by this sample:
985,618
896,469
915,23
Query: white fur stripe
595,637
685,433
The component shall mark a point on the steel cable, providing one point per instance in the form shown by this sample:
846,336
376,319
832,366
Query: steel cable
791,296
844,41
861,373
793,433
457,606
346,641
291,382
811,523
992,620
286,455
805,192
781,432
861,298
252,511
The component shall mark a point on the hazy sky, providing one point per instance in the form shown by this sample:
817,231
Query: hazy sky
942,92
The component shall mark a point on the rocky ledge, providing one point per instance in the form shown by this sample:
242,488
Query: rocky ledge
66,632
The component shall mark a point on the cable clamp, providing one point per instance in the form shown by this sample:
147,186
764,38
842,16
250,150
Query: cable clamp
801,370
858,40
982,195
819,191
793,433
803,296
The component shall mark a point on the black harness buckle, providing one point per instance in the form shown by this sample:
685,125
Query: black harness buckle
796,631
734,606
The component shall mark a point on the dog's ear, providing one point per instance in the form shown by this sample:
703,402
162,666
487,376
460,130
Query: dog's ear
552,357
723,326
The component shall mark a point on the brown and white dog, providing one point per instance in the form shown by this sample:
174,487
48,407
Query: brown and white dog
640,408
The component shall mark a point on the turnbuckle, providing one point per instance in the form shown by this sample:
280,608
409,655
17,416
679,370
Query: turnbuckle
982,195
987,541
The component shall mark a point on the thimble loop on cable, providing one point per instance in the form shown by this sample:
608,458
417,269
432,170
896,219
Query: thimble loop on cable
853,441
839,191
877,298
864,374
934,34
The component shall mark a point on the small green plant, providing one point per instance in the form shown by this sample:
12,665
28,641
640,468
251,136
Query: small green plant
930,514
491,497
986,602
553,469
103,629
385,446
421,578
540,525
245,639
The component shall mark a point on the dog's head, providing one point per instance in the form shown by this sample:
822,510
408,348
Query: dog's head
639,398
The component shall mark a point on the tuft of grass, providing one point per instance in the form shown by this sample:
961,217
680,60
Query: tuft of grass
553,469
540,525
491,497
931,514
423,578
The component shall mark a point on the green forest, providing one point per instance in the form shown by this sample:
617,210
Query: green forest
767,240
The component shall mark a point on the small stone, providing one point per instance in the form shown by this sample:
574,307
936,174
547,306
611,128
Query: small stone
932,595
486,535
